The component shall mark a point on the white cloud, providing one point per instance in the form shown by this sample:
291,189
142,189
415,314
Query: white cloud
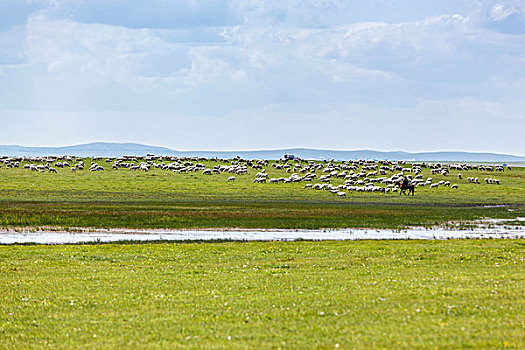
435,57
72,47
499,12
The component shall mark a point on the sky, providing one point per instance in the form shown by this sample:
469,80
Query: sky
412,75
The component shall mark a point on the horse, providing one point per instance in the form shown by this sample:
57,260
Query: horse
403,187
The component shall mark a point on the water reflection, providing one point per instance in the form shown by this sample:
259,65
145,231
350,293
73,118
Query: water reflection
51,237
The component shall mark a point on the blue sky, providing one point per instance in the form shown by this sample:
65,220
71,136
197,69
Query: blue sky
257,74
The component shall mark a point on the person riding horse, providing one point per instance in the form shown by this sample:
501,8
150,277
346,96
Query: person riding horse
406,185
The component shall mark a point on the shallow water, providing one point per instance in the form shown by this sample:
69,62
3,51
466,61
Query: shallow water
51,237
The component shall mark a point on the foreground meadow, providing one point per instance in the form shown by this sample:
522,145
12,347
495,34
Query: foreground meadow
164,199
362,295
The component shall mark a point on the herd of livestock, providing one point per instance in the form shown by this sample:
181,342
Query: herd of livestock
357,175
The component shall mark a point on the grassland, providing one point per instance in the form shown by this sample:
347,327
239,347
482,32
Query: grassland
298,295
362,295
161,199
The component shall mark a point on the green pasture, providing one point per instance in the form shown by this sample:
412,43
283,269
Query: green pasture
464,294
163,199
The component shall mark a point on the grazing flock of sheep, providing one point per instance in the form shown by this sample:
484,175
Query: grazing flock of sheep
370,176
356,175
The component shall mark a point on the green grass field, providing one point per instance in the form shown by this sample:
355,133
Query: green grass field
161,199
464,294
362,295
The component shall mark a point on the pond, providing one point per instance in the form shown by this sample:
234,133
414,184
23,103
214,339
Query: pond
492,229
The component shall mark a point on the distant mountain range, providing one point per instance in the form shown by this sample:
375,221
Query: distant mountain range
106,149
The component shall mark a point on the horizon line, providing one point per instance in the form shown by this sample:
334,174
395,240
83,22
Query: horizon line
265,150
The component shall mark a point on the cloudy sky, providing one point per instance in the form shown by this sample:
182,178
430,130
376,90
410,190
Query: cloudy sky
412,75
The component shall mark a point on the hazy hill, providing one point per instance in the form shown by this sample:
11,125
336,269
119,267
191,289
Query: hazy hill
105,149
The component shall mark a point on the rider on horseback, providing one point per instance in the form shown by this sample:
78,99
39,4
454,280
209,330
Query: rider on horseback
406,185
405,182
